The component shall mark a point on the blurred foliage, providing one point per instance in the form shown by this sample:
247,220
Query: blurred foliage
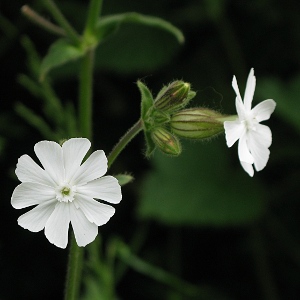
172,194
208,223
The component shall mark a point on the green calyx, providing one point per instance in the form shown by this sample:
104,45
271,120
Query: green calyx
196,123
166,141
174,96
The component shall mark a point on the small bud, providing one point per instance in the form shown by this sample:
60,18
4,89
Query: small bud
197,123
174,96
166,141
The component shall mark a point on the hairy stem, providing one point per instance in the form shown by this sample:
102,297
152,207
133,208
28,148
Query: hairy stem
127,137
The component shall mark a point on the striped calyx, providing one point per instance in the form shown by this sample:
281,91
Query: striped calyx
197,123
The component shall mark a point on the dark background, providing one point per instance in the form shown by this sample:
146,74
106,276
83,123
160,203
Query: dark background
204,218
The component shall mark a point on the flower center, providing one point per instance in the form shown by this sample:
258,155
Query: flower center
250,122
65,193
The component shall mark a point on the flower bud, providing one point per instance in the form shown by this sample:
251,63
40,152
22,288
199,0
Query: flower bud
166,141
174,96
197,123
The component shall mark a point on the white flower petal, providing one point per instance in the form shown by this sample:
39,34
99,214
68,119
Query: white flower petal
28,193
94,167
258,150
106,188
233,131
263,135
36,219
74,150
85,231
254,138
240,108
29,171
236,88
249,91
263,110
243,150
51,157
248,168
95,211
57,226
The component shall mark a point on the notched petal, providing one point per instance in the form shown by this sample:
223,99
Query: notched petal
95,211
57,226
85,231
106,188
51,157
94,167
233,131
36,219
28,194
263,110
74,150
29,171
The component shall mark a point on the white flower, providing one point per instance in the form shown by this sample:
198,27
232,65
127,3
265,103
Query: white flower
254,138
64,190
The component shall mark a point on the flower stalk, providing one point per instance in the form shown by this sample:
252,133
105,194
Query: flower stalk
127,137
74,271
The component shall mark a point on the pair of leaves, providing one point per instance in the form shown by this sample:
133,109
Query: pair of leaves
63,51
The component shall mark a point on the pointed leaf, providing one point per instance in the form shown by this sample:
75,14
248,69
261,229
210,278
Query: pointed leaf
150,146
147,99
124,179
61,52
109,24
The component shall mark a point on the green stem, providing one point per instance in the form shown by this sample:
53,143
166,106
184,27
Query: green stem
127,137
62,21
86,94
74,271
93,15
73,281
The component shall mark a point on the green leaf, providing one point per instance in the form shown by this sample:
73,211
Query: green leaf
135,49
147,99
109,24
286,96
150,146
199,188
33,58
36,121
61,52
124,179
